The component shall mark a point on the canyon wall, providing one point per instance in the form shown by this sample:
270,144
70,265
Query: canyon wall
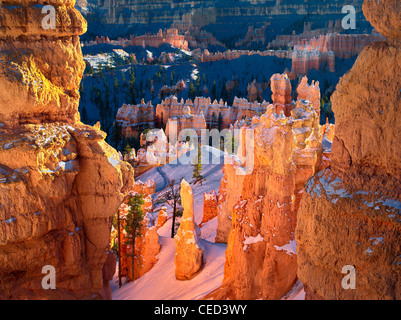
343,46
171,107
199,114
60,183
187,14
134,119
350,213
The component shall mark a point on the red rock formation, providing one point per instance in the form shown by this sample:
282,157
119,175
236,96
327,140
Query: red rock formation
147,189
206,56
187,120
109,269
169,36
171,108
188,257
261,257
210,201
169,90
349,215
255,91
305,58
281,89
310,93
60,183
343,46
133,120
162,218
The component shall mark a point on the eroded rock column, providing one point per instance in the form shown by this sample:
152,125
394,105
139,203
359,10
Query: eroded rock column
60,183
188,249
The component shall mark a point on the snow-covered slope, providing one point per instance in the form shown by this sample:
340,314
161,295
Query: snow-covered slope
160,282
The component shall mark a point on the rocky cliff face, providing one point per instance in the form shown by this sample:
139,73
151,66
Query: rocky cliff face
60,183
350,213
261,256
200,13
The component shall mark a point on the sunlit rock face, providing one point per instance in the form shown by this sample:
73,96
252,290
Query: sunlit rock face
210,203
188,257
134,119
60,183
261,261
350,213
203,113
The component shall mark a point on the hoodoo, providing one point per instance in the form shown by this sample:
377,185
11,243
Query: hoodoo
261,260
350,213
189,252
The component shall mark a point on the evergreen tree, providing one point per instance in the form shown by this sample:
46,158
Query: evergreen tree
213,93
127,150
197,168
220,122
192,92
132,88
133,223
116,134
84,115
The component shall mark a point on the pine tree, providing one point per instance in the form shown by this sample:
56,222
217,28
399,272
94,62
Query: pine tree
132,88
197,171
116,134
127,150
84,115
213,93
192,91
220,122
133,222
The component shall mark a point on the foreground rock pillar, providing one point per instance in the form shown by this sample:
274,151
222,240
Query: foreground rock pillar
60,183
350,215
188,250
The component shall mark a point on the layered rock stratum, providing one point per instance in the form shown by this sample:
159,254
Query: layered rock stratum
186,14
60,183
350,214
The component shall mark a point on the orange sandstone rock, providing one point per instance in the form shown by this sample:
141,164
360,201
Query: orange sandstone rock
350,213
162,218
60,183
281,93
210,201
188,258
261,259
